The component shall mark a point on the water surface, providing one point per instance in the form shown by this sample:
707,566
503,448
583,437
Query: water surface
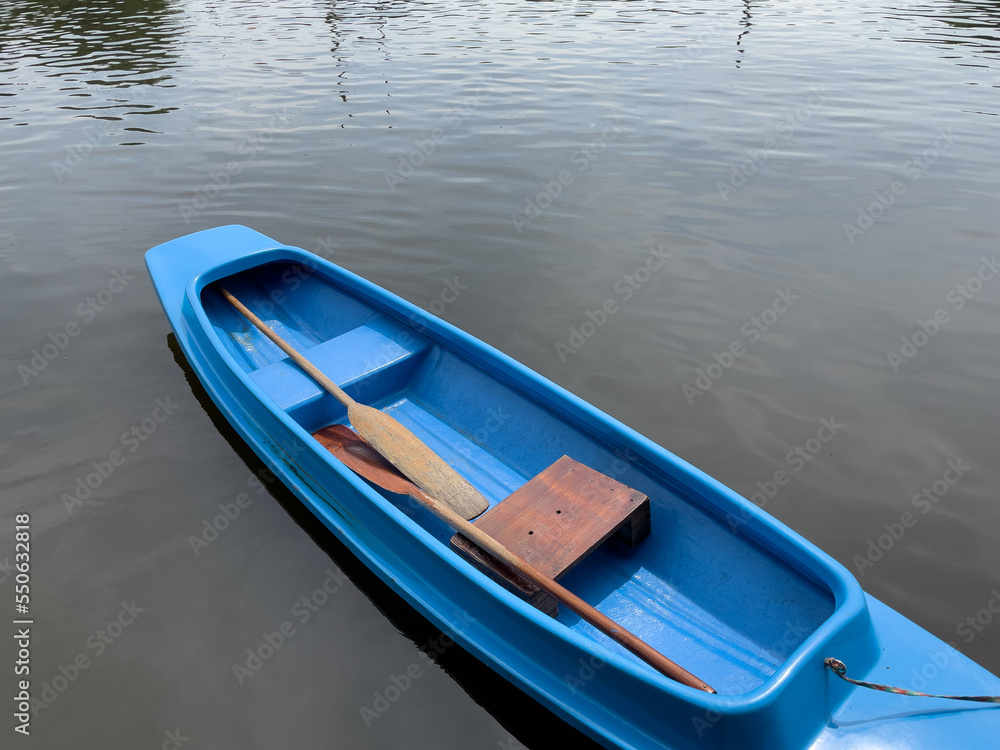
819,181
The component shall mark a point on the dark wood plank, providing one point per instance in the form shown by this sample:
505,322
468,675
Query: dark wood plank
556,520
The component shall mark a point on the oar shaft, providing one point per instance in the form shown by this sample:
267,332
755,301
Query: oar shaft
297,358
397,443
599,620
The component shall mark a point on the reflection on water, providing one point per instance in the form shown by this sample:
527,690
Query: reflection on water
89,46
746,22
973,25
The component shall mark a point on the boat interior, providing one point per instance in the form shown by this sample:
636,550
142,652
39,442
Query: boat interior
700,589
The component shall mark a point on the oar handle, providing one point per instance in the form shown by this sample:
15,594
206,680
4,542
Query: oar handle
294,355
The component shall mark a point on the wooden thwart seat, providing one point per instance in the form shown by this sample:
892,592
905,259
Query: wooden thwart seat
554,521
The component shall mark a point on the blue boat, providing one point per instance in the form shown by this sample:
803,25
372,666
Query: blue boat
718,586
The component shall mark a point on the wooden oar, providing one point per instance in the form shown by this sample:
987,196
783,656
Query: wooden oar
365,460
394,441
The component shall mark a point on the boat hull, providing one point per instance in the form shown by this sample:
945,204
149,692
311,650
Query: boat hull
720,586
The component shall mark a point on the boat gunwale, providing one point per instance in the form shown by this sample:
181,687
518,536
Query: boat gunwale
773,536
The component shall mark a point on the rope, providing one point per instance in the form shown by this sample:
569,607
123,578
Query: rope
840,669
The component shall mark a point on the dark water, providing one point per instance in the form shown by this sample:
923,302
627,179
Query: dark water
821,180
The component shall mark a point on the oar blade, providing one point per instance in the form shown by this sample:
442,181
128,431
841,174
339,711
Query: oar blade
406,452
418,462
364,460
